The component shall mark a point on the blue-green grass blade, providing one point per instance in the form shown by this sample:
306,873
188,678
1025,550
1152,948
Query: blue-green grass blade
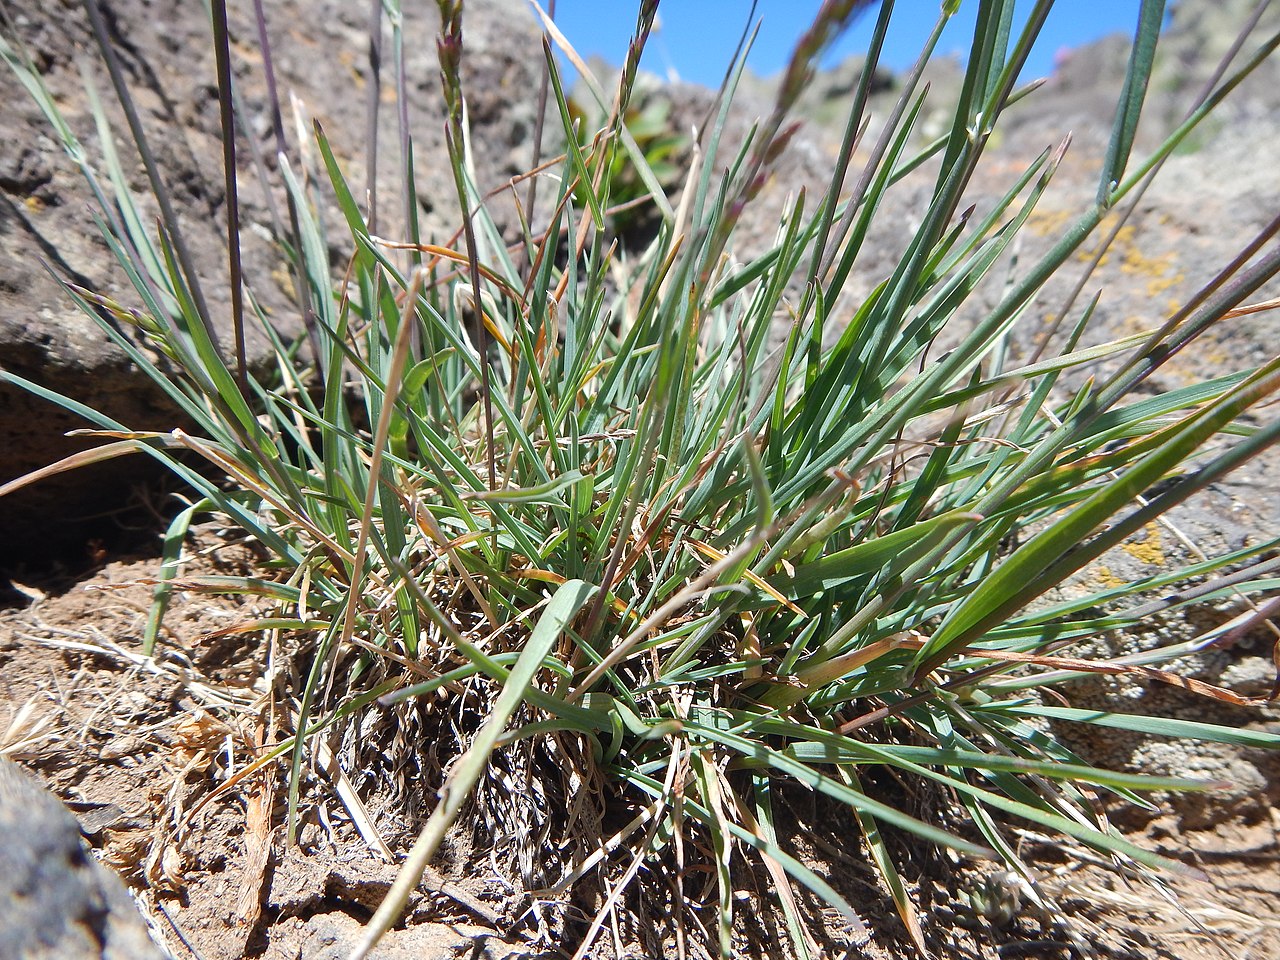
1141,59
578,162
1043,816
1144,724
170,554
761,753
1023,574
872,555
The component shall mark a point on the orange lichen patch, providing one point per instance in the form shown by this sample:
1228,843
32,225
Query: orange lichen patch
1043,223
1122,242
348,60
1162,270
1216,358
1150,549
1135,323
1103,575
34,204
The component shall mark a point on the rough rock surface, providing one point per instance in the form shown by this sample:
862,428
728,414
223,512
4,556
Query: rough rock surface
321,57
58,902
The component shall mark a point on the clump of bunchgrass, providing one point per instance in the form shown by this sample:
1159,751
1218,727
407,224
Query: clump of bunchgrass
588,553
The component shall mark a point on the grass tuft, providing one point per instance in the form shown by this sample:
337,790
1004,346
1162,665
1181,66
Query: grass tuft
597,551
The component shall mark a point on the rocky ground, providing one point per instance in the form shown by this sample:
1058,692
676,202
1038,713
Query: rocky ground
137,747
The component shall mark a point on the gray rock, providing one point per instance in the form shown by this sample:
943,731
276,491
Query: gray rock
59,903
320,53
1199,33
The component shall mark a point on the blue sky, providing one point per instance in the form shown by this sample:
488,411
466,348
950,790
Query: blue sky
697,37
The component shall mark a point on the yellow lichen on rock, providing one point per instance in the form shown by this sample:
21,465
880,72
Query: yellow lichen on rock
1150,549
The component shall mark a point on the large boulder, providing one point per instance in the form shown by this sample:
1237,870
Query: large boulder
321,56
59,902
